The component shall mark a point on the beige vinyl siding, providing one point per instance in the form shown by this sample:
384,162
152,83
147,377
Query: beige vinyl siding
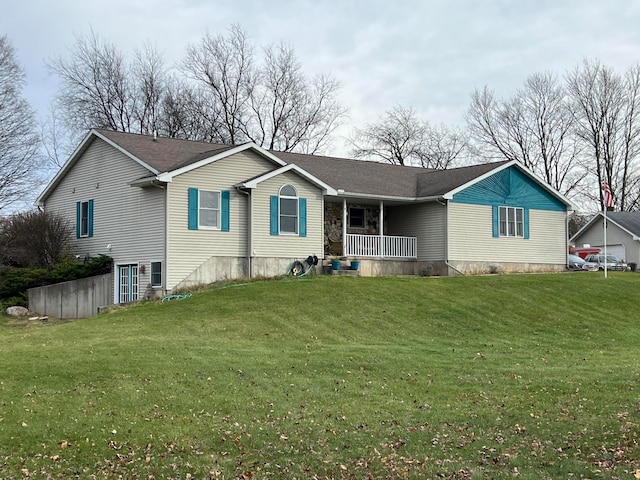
189,249
426,221
130,219
470,237
287,246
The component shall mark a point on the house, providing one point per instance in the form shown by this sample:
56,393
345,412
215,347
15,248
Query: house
623,235
174,213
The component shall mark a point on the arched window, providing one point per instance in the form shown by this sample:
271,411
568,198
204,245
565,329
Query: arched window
288,200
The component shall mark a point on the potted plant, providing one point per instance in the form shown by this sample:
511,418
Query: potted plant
355,263
335,263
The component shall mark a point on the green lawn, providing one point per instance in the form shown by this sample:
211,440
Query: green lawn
535,376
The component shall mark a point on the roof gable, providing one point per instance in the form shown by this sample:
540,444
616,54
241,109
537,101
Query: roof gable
629,222
510,185
254,182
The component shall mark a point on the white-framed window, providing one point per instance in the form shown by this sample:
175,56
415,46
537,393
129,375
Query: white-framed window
356,217
156,274
209,209
288,200
511,221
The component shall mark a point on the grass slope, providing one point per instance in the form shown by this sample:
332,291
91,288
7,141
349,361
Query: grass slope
533,376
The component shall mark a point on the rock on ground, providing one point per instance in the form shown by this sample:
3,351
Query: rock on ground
17,311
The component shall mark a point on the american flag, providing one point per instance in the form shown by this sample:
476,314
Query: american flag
608,197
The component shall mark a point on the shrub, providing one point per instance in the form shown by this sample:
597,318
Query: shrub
14,282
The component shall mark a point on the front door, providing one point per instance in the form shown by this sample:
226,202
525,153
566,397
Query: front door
128,283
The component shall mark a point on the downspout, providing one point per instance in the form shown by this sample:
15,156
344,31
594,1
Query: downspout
249,230
166,244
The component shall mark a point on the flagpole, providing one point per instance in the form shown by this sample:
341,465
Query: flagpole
608,202
605,240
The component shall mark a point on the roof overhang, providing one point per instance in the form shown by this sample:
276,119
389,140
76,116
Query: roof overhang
291,167
385,198
250,146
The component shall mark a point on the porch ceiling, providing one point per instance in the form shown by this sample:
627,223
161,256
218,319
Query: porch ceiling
367,200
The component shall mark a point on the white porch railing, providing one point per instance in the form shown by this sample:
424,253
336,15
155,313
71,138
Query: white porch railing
377,246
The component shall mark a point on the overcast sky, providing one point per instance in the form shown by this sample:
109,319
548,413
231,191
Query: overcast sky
425,54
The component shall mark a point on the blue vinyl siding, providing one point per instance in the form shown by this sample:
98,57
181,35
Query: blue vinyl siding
510,187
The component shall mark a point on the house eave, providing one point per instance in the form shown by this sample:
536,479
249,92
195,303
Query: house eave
168,176
253,183
389,198
152,181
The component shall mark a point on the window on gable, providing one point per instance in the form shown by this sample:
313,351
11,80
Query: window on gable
356,217
84,219
156,274
511,222
288,209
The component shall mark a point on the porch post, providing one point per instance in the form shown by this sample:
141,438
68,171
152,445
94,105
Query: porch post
381,228
344,226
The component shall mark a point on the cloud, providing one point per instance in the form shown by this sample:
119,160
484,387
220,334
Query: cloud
425,55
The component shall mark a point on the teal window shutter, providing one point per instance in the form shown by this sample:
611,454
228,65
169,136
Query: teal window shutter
274,215
302,207
224,221
90,218
525,220
193,209
78,219
496,221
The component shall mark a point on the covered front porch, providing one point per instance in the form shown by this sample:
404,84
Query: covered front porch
359,229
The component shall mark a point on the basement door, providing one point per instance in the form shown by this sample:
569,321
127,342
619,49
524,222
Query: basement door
127,283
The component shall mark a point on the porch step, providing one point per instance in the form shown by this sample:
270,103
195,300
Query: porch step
345,271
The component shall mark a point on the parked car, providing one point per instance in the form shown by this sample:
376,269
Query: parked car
612,262
577,263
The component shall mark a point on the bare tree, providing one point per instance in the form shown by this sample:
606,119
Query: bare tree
96,90
224,68
400,138
533,127
19,141
149,78
606,108
102,89
288,111
35,239
57,141
268,102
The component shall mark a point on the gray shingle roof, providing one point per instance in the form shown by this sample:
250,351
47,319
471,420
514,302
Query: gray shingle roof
163,154
352,176
628,220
